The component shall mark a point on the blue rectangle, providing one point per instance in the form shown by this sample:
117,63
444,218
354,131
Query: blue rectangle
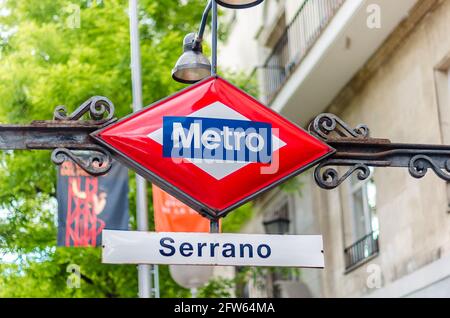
217,139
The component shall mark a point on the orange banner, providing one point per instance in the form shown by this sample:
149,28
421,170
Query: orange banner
171,215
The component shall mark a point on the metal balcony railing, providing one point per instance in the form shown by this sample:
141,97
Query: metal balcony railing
362,250
296,40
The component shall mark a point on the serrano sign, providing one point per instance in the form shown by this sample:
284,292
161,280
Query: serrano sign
128,247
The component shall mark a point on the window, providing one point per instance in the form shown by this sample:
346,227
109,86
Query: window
363,221
363,206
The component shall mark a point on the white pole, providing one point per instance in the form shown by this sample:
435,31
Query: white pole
144,271
156,280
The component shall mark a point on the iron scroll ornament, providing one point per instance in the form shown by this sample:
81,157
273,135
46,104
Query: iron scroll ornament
357,151
94,159
96,162
329,178
100,109
325,125
419,165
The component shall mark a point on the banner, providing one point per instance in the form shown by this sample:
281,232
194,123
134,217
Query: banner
171,215
87,204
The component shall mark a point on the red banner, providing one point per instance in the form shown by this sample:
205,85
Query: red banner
87,204
173,216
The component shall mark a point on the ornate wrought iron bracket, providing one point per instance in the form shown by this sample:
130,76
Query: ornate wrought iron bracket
358,151
67,135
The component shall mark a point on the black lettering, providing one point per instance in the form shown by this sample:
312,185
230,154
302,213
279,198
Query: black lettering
268,251
186,249
213,248
250,250
200,248
228,250
164,245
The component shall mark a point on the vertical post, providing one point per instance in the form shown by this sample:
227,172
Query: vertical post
156,280
214,39
144,271
214,226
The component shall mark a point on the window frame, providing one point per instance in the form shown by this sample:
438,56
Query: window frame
352,258
352,189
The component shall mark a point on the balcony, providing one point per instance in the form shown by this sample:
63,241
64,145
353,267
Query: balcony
361,251
325,44
295,42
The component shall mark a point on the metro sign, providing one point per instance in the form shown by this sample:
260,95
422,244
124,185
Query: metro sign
212,146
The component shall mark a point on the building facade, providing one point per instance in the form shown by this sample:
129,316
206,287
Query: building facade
382,63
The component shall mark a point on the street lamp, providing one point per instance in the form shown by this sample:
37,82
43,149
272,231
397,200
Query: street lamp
192,66
239,4
278,223
191,276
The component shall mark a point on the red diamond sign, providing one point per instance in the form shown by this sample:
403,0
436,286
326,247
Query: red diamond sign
212,146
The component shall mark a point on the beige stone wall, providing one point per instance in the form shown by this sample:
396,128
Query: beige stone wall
398,102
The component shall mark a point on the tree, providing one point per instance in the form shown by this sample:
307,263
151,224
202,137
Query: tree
55,52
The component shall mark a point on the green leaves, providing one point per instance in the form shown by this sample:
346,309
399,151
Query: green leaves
234,221
45,62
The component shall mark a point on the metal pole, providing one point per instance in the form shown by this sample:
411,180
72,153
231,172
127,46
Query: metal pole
214,226
204,20
144,271
214,39
156,280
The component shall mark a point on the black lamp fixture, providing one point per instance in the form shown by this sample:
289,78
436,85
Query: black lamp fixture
192,66
239,4
278,223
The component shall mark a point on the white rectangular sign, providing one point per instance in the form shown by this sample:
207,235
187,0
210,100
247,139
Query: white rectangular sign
125,247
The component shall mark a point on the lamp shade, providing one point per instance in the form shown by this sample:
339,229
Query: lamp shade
192,66
278,221
239,4
278,226
191,276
